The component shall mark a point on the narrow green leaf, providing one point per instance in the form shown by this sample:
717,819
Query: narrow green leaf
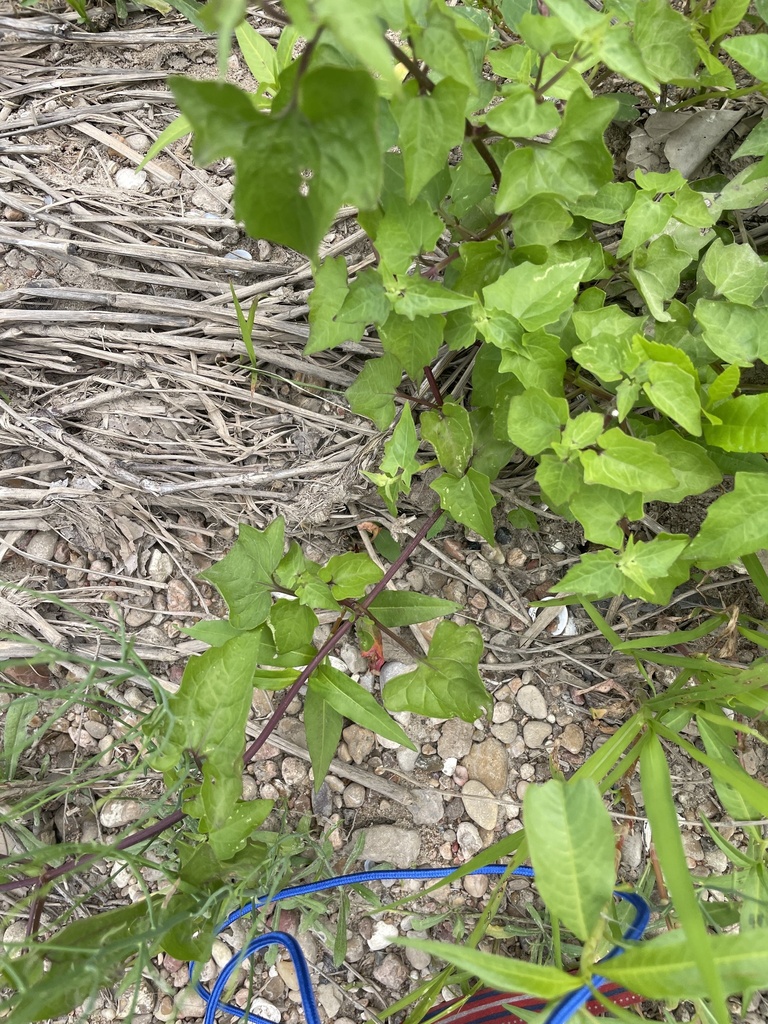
662,814
405,608
17,716
177,129
322,725
259,55
731,797
572,848
355,703
669,966
499,972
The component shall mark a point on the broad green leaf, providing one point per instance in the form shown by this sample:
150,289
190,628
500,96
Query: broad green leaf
216,632
536,295
419,297
447,684
322,725
580,432
736,271
599,510
694,470
644,562
360,31
743,425
490,454
751,52
674,392
452,45
405,231
500,972
731,797
519,115
627,463
576,163
736,333
596,575
608,205
755,144
325,301
292,625
736,523
645,219
572,848
665,38
542,221
400,450
355,703
259,55
430,126
724,17
723,385
559,480
244,576
748,188
404,608
349,575
274,679
654,182
366,301
313,593
538,362
662,814
293,565
372,394
415,343
668,966
535,420
209,711
217,135
228,836
656,271
468,500
449,431
753,886
294,170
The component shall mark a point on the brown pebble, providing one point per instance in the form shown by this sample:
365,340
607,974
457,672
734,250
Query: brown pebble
478,601
452,549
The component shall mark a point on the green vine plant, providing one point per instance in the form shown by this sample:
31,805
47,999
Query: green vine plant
613,331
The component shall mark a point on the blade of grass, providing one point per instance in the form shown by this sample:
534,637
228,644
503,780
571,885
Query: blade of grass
757,573
660,807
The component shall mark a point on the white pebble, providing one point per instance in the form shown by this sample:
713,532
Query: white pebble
382,936
127,178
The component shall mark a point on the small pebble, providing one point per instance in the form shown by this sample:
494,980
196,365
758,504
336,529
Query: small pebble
354,795
127,178
468,838
573,738
480,804
536,734
382,936
532,702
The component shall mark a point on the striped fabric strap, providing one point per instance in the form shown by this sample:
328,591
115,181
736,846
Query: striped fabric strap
487,1006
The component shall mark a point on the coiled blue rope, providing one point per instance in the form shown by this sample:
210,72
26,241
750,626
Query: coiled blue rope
561,1013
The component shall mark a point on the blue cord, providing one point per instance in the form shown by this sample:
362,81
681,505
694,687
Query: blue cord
564,1010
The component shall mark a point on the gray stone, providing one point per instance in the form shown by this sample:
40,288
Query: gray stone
353,659
42,545
531,701
359,742
294,771
476,885
391,972
502,712
505,733
116,813
392,670
480,804
487,762
407,758
427,807
160,566
573,738
354,795
388,843
322,801
455,739
417,958
632,850
536,734
329,999
468,838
